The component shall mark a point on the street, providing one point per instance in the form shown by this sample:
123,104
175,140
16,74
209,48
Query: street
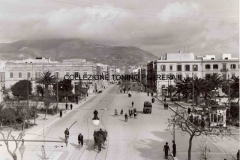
138,139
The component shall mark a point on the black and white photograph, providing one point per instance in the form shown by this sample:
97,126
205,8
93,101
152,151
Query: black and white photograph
119,80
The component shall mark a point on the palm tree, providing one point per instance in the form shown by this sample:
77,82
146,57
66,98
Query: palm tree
184,87
215,81
46,79
171,89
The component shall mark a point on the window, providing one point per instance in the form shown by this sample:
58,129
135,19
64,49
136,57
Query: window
179,77
76,74
28,75
233,66
207,66
215,66
37,75
20,74
11,74
163,67
56,74
187,67
170,67
179,67
195,67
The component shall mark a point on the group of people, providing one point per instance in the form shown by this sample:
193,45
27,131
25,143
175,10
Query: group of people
131,112
123,90
71,107
166,149
80,137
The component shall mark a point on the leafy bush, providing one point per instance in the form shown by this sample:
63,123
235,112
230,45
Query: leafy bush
9,116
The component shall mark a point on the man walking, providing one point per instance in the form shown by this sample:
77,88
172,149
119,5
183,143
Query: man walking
71,106
66,136
60,113
66,106
166,149
80,139
174,148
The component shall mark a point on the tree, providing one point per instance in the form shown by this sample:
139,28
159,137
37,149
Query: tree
46,79
195,127
214,81
184,87
16,140
47,103
40,90
64,88
171,90
20,88
234,88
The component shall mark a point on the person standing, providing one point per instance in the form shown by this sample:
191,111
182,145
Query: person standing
189,110
80,139
166,149
132,104
66,136
71,106
60,113
238,158
174,149
66,106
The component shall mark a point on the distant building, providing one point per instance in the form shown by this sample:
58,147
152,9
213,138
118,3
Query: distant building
32,69
181,65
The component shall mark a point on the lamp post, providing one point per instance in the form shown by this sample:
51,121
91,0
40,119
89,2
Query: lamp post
27,105
22,149
96,120
57,95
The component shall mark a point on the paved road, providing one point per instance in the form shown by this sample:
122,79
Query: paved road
138,139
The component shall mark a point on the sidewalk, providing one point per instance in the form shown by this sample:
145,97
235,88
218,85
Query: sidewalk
227,145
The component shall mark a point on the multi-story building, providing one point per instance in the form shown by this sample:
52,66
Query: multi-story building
181,65
32,69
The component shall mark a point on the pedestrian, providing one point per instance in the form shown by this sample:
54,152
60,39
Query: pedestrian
71,106
238,158
166,149
66,136
66,106
174,148
80,139
121,112
60,113
135,114
132,104
189,110
191,118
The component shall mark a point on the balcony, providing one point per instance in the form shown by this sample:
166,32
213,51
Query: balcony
224,70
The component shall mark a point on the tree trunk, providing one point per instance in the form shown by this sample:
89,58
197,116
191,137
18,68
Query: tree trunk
190,147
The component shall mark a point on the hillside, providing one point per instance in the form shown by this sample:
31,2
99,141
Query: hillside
58,49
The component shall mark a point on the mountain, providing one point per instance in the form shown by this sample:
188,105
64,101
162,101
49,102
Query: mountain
59,49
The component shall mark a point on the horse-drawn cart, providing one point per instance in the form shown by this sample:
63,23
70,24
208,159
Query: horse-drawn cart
100,137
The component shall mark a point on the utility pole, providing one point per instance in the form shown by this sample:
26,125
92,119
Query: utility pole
27,105
229,104
57,95
192,91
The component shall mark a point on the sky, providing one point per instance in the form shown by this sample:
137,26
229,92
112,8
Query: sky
158,26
